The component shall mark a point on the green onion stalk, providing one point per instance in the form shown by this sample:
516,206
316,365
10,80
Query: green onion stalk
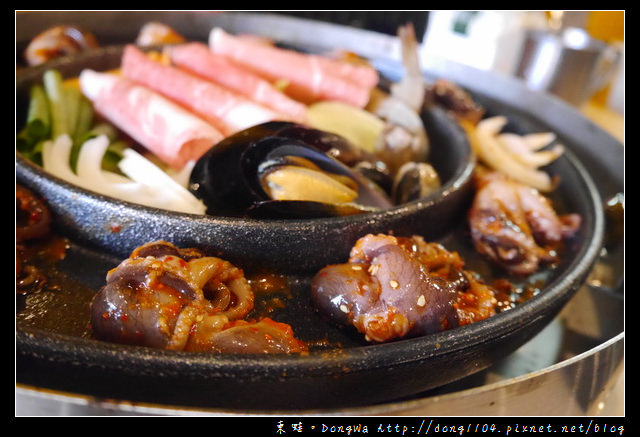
56,108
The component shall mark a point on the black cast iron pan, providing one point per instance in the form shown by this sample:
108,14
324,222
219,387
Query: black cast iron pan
355,374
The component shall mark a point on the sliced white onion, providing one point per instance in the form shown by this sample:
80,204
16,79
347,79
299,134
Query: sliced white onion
513,155
183,175
149,185
537,141
104,182
170,192
55,159
522,151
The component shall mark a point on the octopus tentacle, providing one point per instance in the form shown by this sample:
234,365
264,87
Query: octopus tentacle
515,225
396,287
179,299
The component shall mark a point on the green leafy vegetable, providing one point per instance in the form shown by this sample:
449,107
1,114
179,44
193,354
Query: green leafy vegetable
57,108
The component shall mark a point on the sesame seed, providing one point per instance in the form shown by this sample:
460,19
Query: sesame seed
394,284
421,301
344,308
373,269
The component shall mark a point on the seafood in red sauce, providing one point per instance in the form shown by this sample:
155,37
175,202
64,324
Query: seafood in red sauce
33,222
515,226
33,218
178,299
397,287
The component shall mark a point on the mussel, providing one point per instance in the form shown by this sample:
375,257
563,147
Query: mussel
217,178
284,170
414,180
339,147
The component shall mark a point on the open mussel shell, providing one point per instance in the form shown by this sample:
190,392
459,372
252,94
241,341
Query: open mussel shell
414,180
217,177
230,178
285,156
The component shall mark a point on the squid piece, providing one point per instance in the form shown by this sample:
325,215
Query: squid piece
516,226
394,287
178,299
265,336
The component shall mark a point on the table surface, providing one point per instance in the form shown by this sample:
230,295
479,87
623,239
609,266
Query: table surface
608,119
